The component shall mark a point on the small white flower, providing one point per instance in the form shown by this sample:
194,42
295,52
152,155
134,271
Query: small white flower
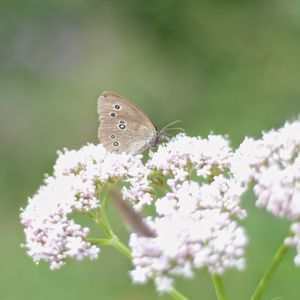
204,154
50,232
163,283
273,164
196,217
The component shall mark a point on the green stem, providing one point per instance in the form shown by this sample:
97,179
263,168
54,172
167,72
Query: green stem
264,282
217,281
113,240
100,242
106,227
121,247
177,295
102,219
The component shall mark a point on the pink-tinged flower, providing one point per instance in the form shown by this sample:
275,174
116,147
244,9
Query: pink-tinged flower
204,155
206,238
196,220
294,240
273,164
51,234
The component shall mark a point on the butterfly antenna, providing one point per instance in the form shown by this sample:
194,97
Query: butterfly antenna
175,128
170,124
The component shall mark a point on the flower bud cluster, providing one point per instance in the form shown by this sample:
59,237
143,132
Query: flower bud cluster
273,164
196,221
51,233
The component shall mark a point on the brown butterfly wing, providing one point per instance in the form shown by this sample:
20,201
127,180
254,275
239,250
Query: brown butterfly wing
123,126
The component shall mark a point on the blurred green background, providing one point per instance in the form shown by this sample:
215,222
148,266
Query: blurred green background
231,67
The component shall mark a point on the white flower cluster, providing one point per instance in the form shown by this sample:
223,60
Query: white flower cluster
294,240
183,151
50,232
50,235
273,163
195,186
196,222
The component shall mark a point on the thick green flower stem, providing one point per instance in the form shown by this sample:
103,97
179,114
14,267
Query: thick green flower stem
216,279
113,240
125,250
264,282
177,295
121,247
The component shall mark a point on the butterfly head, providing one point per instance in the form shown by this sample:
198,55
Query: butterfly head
159,136
162,134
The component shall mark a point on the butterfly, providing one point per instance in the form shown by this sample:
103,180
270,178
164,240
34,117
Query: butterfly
124,127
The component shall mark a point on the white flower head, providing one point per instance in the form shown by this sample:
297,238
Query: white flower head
195,186
51,233
205,155
273,164
196,221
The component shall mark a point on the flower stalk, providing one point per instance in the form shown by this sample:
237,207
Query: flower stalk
265,281
114,241
177,295
217,281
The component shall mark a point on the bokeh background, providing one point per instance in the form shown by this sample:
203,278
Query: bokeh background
231,67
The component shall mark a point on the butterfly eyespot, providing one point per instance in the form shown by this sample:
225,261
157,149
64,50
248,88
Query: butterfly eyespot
112,136
112,114
115,144
122,122
117,106
122,126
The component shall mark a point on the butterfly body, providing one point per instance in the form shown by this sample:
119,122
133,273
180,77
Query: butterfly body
124,127
157,138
